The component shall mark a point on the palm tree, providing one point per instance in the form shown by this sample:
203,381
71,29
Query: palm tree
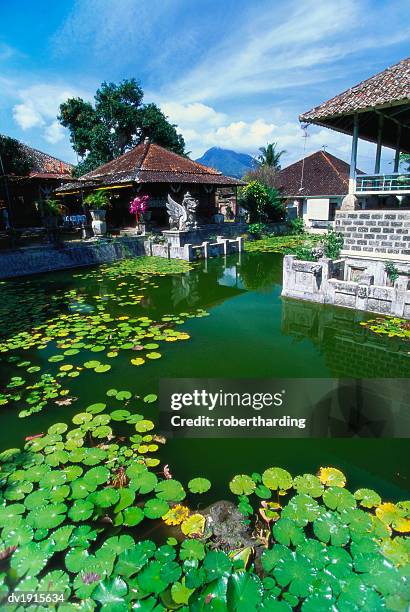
270,156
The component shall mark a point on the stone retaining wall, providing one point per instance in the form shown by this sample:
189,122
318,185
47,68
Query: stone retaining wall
34,260
327,282
375,231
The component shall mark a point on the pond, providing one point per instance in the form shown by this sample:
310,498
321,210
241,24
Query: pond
241,329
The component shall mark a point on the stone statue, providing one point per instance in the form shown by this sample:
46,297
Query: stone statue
182,216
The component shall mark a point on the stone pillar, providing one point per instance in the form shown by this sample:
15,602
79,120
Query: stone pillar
188,252
350,202
240,244
205,244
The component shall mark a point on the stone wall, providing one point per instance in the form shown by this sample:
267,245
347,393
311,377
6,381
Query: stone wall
34,260
327,282
375,231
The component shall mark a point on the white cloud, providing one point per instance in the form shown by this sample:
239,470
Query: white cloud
54,132
192,113
38,107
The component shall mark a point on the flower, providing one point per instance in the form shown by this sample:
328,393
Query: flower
138,206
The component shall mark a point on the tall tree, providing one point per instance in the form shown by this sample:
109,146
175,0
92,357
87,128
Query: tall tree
117,121
270,156
14,157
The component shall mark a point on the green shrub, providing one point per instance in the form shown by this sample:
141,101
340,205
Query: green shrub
333,244
392,271
296,226
305,252
256,230
261,202
97,200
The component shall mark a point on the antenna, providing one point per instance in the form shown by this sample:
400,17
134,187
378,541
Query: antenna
305,136
324,147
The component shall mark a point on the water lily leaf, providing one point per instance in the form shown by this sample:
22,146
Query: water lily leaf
302,509
153,355
57,428
80,488
329,527
241,484
216,564
102,368
82,417
170,490
18,490
132,560
277,479
17,536
287,532
193,526
81,510
48,516
138,361
123,395
296,573
149,579
337,498
133,516
170,572
192,550
271,604
31,558
144,425
150,398
54,478
111,593
245,592
104,431
96,408
75,559
144,482
199,485
55,581
368,498
332,477
120,415
10,515
61,537
308,484
180,593
91,364
106,497
155,508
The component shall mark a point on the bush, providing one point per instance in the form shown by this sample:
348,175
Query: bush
296,226
97,200
261,202
304,252
333,244
256,230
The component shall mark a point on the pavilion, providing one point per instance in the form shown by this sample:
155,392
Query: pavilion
149,169
20,193
376,110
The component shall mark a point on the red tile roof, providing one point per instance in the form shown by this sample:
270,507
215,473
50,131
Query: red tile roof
45,165
151,163
323,175
391,86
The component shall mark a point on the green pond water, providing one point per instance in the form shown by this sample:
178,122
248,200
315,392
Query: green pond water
250,333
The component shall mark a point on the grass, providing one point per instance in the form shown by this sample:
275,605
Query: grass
280,244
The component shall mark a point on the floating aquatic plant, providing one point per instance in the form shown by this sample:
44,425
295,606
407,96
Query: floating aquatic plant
393,327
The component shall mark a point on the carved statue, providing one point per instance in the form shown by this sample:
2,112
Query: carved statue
182,216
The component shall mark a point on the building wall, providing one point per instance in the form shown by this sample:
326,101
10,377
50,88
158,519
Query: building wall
378,231
316,208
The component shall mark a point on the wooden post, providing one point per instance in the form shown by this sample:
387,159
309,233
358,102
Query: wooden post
379,145
353,157
397,155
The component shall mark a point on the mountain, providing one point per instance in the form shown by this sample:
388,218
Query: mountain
228,162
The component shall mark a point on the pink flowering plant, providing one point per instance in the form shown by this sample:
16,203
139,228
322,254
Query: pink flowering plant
138,206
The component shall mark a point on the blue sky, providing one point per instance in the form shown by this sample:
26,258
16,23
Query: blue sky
230,73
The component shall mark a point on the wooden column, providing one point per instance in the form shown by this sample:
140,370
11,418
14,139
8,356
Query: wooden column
353,157
397,155
379,145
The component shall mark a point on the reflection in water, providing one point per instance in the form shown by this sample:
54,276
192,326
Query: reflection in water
349,349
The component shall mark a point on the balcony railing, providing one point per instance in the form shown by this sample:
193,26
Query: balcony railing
383,183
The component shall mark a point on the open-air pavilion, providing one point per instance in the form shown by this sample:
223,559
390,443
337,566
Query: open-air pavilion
376,110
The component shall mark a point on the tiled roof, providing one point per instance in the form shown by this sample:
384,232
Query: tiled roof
387,87
45,165
323,175
150,163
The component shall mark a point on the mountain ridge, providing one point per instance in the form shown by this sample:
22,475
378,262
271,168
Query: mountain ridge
227,161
